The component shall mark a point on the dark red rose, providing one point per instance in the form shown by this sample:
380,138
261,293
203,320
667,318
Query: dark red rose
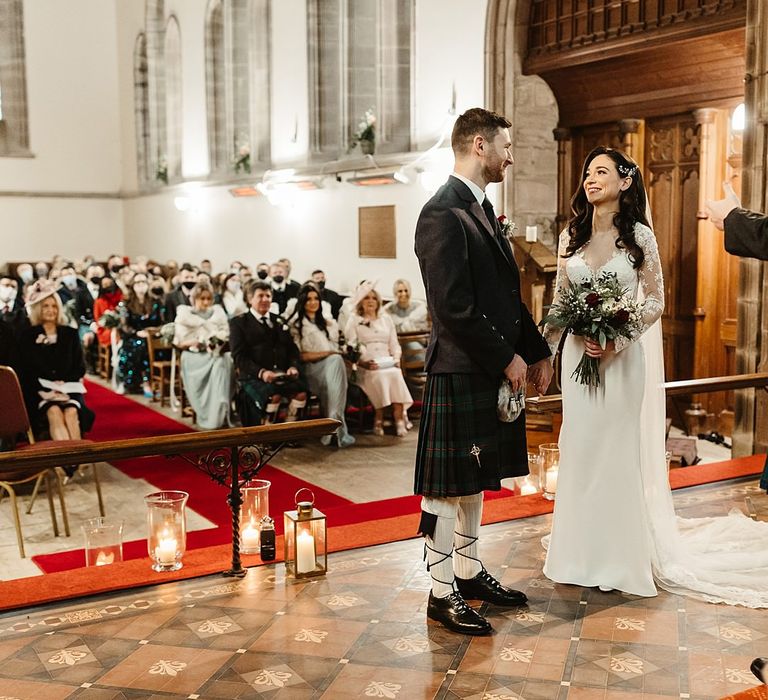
592,299
502,219
620,318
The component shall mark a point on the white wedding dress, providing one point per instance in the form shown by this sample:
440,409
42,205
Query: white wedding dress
614,523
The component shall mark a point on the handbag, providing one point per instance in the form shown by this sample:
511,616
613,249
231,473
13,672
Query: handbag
510,403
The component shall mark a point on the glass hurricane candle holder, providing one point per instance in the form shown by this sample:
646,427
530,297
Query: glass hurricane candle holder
103,541
255,506
306,547
534,470
167,524
550,467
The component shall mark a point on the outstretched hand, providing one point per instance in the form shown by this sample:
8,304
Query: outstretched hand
719,209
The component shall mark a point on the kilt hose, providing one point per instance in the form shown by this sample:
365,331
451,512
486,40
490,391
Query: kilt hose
463,447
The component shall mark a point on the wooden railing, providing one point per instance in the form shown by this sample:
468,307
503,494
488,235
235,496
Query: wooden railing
685,387
229,457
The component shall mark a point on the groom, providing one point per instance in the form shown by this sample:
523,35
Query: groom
481,333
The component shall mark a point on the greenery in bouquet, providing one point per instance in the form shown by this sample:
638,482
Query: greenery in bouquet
365,136
242,160
167,332
507,227
109,319
600,309
216,342
352,354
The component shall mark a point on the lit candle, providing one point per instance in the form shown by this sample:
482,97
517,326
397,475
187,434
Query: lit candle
551,479
531,234
305,552
103,558
165,552
249,537
527,488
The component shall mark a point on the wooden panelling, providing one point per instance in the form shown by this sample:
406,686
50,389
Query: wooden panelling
652,80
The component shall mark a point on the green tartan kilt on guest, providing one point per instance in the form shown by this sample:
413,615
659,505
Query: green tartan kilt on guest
463,447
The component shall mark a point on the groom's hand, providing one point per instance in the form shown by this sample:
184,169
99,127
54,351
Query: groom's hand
540,375
718,210
516,372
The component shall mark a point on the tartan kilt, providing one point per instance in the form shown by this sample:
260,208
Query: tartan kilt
459,413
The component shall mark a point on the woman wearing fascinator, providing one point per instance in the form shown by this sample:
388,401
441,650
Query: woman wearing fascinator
379,374
52,367
614,524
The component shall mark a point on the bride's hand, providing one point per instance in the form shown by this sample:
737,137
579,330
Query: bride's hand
592,347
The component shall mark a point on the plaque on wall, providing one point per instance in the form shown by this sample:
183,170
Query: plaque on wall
377,233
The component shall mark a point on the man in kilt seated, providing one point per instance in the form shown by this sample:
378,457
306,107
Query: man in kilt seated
481,333
266,360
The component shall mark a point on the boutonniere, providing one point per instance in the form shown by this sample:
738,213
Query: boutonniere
42,339
507,227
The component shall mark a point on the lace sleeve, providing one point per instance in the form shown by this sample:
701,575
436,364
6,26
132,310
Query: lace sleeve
651,283
553,335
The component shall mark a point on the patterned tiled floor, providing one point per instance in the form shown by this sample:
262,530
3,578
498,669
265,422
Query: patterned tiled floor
361,632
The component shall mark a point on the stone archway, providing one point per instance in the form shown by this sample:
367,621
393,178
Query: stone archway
530,194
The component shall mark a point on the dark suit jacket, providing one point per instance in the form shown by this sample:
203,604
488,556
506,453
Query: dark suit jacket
281,296
16,318
172,300
746,234
479,321
256,347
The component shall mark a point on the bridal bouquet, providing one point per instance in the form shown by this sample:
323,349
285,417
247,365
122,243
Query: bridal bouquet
600,309
109,319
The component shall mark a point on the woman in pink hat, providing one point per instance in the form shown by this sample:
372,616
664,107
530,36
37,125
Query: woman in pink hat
379,374
52,368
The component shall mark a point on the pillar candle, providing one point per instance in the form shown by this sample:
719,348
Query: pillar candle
551,479
305,552
249,537
165,552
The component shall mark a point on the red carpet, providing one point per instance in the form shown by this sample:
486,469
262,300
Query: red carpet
351,525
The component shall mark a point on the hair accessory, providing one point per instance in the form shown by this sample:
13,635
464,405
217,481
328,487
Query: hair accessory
626,170
41,289
362,291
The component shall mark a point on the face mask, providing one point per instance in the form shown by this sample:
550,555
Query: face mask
8,294
234,269
69,281
278,279
109,289
233,286
41,272
27,276
158,291
320,285
140,287
95,281
188,285
262,274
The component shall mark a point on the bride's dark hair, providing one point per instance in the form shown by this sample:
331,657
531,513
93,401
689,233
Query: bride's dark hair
631,207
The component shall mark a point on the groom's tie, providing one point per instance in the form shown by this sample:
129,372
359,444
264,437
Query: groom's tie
488,208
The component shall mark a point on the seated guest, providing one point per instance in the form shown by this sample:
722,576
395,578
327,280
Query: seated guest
41,270
266,359
180,295
408,315
138,311
109,298
25,273
328,295
52,368
206,266
69,286
262,271
12,309
114,265
84,299
232,296
282,290
201,331
9,352
317,337
379,375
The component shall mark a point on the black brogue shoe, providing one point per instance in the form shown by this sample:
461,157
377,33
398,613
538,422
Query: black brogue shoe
758,668
454,613
486,587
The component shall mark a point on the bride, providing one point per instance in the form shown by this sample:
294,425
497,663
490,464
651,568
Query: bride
614,523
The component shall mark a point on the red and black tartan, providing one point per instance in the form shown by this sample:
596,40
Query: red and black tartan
458,416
